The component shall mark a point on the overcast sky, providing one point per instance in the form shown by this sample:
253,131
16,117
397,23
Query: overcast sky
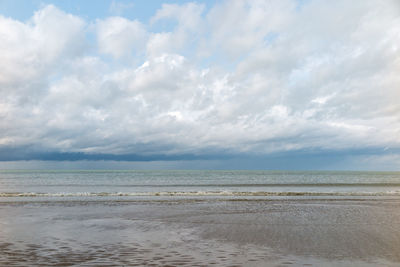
285,84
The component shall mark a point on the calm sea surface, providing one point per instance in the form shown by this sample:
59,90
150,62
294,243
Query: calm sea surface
125,184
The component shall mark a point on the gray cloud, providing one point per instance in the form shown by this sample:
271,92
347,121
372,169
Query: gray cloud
250,77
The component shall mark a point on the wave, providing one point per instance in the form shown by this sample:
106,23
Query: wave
195,193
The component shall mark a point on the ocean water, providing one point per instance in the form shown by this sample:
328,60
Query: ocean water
127,184
199,218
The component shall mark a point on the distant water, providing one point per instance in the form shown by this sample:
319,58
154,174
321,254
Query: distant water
126,184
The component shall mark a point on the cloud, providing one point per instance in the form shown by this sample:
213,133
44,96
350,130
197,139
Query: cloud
240,78
31,50
33,53
239,27
187,27
118,8
120,37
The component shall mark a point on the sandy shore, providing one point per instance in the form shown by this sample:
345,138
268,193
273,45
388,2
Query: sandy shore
274,232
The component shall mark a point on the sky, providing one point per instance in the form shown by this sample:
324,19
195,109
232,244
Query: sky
289,84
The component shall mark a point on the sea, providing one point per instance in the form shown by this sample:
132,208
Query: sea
125,184
199,218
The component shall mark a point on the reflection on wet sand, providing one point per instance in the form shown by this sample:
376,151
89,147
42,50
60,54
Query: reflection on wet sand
133,254
301,232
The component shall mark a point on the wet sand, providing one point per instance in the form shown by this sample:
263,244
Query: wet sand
200,232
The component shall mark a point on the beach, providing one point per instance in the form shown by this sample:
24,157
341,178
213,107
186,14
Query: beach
199,218
199,232
200,133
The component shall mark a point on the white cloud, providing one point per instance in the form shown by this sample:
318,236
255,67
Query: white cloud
188,15
118,8
31,50
243,76
120,37
32,54
189,26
